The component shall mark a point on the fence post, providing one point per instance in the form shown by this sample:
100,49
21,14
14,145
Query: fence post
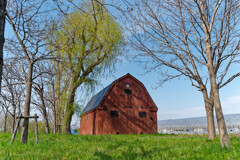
15,131
36,128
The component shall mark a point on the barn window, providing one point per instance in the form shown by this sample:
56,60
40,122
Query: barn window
142,114
127,91
114,113
87,116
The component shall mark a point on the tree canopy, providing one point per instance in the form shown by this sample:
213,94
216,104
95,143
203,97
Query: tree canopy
87,45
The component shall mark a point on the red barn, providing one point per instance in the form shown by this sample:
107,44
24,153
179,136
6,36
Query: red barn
123,107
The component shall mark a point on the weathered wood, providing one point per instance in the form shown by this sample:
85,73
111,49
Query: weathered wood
58,128
15,131
36,129
27,117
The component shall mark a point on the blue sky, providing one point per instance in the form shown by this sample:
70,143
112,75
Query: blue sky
177,98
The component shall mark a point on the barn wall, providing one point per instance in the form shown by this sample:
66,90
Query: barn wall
86,125
128,107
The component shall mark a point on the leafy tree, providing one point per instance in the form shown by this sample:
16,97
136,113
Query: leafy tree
89,43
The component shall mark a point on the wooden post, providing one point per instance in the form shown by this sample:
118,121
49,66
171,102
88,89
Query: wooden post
58,128
15,131
36,128
19,119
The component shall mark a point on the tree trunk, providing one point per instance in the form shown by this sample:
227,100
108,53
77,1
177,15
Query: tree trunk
5,122
58,94
210,116
54,120
220,118
69,111
24,136
44,110
3,4
54,113
53,99
45,119
224,139
13,123
14,117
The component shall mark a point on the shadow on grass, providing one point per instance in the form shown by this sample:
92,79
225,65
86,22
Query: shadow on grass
102,155
123,155
129,152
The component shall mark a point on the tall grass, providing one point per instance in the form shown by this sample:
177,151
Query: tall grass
105,147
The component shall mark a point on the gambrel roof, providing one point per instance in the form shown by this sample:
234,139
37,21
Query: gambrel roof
96,99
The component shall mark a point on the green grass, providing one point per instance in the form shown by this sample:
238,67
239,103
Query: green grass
105,147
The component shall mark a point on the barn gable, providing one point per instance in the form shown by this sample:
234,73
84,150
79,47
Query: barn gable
123,107
96,100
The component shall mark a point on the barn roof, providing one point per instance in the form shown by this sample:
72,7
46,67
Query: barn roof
95,100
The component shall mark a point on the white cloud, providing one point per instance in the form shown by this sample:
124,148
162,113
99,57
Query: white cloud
230,105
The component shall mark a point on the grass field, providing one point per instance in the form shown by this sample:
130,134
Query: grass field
105,147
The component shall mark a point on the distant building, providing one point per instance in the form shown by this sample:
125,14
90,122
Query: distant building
197,125
123,107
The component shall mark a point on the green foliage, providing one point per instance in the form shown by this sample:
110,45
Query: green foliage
105,147
41,127
87,45
86,38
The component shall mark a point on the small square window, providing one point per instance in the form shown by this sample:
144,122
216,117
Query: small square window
127,91
142,114
114,113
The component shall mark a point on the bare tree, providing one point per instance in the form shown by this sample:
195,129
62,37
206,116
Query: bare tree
29,22
5,105
40,86
12,90
196,39
3,4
